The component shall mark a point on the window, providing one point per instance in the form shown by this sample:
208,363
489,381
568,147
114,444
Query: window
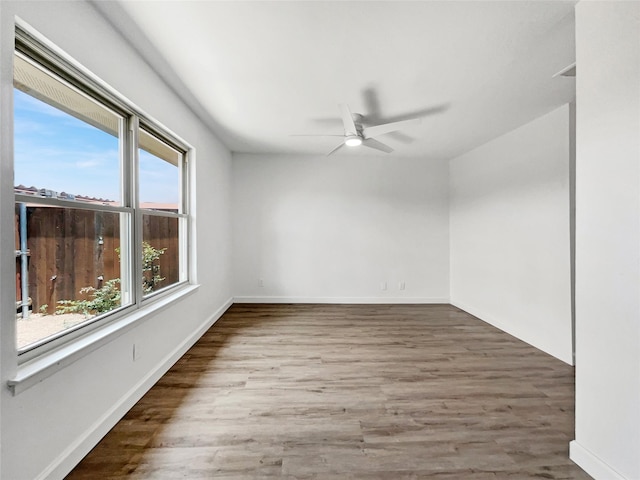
160,167
101,219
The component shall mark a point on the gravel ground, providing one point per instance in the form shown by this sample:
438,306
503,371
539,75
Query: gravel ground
39,326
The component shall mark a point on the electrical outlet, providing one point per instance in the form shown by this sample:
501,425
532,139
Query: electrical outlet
383,285
261,282
401,286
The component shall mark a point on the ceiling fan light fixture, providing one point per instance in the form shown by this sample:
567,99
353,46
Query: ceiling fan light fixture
353,141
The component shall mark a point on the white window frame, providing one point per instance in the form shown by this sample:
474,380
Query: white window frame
42,52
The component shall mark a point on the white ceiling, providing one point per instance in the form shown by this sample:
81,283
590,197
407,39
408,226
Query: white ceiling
258,72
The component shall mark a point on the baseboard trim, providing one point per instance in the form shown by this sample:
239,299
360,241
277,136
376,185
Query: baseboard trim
591,463
73,454
506,328
343,300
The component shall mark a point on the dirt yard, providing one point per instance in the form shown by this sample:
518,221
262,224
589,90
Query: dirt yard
39,326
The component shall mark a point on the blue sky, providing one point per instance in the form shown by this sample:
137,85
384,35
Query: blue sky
56,151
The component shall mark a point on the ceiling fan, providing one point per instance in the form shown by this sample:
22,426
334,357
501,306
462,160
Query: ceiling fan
356,134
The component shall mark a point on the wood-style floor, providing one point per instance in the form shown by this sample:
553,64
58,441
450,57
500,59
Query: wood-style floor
348,392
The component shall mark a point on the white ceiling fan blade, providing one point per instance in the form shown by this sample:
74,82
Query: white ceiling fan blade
335,149
375,144
347,120
389,127
314,135
421,113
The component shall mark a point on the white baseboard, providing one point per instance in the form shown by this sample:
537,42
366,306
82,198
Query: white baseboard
507,328
342,300
592,464
75,452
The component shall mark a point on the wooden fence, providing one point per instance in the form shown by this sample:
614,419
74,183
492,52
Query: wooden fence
71,249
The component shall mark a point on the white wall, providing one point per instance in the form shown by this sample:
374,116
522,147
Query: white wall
49,427
332,229
510,233
607,441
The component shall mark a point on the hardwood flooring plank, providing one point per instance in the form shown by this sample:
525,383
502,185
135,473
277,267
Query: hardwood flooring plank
400,392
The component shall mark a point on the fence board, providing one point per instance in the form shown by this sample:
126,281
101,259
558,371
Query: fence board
66,254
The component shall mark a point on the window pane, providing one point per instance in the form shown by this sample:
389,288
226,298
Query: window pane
161,252
66,144
72,257
159,182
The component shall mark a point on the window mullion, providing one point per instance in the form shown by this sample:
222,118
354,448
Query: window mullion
126,225
184,220
136,247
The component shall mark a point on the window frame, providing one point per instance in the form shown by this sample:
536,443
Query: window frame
182,215
71,73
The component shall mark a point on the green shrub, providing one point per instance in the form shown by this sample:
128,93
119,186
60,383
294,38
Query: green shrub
103,299
107,297
150,271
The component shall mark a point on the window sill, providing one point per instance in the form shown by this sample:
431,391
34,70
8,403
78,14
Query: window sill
35,371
